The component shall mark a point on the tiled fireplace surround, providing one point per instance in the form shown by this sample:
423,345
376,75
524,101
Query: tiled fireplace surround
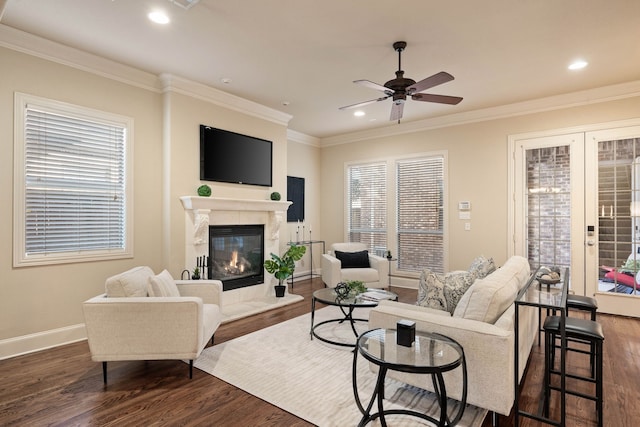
200,212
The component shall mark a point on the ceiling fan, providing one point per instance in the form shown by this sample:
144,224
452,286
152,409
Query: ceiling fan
401,87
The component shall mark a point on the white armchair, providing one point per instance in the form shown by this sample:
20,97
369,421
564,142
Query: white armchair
126,324
374,274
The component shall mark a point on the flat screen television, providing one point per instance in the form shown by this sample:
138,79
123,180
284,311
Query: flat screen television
231,157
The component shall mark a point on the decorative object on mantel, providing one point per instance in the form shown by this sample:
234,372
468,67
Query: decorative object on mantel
204,191
275,196
196,274
283,267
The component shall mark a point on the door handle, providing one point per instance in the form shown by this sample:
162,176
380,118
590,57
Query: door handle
591,243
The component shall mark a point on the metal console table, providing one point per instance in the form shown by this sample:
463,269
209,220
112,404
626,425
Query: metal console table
308,243
552,298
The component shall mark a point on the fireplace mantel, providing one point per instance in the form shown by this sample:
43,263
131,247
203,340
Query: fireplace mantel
222,204
201,212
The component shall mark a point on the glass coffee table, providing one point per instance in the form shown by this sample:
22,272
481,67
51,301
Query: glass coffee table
328,296
431,353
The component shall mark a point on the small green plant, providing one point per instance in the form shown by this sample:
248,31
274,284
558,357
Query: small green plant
356,287
196,273
204,191
275,196
283,266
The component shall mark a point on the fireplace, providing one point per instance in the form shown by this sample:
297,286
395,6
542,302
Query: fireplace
236,255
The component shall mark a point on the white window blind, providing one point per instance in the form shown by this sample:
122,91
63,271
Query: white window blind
367,205
74,189
420,214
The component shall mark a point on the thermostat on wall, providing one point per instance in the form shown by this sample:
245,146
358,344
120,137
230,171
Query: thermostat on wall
464,206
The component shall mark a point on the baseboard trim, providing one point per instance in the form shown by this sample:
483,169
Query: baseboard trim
31,343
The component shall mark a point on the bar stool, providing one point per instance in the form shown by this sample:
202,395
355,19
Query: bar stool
582,330
583,303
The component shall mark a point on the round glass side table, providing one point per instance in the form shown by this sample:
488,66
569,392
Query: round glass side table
431,353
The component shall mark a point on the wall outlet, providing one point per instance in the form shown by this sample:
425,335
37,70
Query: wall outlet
467,226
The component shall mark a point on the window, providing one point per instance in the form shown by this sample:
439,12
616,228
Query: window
420,214
367,205
72,189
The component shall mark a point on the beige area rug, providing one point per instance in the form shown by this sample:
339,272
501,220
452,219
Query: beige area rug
311,379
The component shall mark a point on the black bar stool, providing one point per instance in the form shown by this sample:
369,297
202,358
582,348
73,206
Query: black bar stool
581,330
583,303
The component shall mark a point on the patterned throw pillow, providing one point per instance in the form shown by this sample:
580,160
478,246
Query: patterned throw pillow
481,267
455,285
431,290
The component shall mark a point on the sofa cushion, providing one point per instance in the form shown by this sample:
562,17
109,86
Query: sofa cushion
443,291
456,285
488,298
353,259
163,285
431,290
366,275
131,283
482,267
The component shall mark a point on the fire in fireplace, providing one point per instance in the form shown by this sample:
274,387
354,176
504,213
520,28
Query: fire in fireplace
236,255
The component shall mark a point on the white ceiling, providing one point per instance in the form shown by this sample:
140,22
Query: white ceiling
308,52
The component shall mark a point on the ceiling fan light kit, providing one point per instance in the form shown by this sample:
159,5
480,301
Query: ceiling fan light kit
399,88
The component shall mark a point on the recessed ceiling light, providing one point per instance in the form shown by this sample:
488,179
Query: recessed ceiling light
359,113
158,17
578,65
226,80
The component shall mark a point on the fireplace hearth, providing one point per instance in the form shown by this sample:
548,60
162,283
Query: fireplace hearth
236,255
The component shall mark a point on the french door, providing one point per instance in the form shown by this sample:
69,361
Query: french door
576,204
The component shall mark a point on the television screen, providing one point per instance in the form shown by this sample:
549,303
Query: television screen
231,157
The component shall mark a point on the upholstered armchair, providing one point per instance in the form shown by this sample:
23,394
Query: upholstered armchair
352,261
143,316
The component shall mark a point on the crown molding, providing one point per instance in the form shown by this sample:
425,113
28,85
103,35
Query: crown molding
302,138
172,83
30,44
556,102
39,47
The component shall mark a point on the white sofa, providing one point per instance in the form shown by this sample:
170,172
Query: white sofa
375,275
125,323
483,323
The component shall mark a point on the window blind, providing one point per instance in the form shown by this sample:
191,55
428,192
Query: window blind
74,184
420,214
367,205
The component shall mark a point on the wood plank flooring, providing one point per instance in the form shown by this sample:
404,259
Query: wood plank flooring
63,387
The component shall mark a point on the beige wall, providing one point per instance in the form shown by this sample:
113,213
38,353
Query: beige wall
186,115
304,162
37,299
41,306
477,172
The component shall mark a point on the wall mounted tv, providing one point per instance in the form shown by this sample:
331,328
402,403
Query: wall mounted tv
231,157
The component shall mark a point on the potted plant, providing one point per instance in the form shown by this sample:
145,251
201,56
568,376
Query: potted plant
282,267
196,274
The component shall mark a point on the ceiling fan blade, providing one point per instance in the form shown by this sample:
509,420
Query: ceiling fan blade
362,104
441,99
374,86
396,111
429,82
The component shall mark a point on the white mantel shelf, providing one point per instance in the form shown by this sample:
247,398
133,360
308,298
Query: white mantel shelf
222,204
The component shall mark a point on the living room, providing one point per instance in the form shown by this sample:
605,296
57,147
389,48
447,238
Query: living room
40,305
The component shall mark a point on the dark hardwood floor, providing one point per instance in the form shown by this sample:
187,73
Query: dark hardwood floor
62,386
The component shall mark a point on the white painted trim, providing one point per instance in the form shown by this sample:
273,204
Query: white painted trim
302,138
30,44
574,99
171,83
39,341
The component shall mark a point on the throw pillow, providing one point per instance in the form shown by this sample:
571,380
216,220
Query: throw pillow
163,285
353,259
431,290
481,267
456,284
